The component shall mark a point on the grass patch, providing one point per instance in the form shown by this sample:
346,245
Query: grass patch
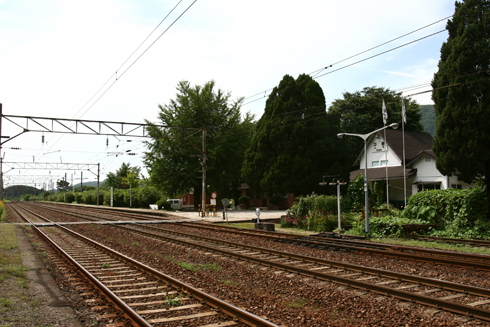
199,267
435,245
15,270
4,302
229,282
173,300
296,303
106,265
8,242
238,225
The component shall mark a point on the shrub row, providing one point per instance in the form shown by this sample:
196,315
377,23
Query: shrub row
142,197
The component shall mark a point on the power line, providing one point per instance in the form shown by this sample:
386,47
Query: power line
316,72
131,65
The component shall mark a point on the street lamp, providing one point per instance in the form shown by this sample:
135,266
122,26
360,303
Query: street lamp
366,195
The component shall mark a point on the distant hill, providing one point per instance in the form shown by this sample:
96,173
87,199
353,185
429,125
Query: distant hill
428,119
89,184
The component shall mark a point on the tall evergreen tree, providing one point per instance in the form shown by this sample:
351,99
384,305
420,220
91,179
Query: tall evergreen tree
461,96
360,113
294,143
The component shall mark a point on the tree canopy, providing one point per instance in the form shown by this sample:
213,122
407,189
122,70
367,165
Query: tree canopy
461,97
294,143
62,185
360,113
123,177
173,159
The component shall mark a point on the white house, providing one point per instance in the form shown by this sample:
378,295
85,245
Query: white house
385,158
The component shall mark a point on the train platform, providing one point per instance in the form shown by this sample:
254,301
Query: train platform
231,215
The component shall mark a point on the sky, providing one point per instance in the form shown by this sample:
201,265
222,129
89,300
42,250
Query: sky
72,59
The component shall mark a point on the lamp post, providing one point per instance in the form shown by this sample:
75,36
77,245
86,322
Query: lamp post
366,195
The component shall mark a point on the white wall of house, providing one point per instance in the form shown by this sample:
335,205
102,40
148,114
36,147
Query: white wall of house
427,175
376,153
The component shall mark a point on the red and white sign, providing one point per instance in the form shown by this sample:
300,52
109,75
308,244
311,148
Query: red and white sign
214,195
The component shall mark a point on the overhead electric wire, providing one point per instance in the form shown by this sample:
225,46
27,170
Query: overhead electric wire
328,66
362,60
127,59
131,65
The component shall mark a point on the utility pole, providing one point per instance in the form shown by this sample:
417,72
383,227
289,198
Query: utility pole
98,177
131,191
336,181
65,187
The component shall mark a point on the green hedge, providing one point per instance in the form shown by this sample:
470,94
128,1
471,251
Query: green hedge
142,197
457,213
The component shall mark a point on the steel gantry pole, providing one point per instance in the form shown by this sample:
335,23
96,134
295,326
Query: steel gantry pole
98,178
203,200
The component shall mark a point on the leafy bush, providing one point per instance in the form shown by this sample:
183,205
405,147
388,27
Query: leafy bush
354,199
390,226
2,210
316,213
70,197
455,212
163,204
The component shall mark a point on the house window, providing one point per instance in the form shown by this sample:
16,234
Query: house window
427,187
457,186
375,163
428,159
384,163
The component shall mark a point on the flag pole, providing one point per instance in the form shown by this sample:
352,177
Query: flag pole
385,120
404,118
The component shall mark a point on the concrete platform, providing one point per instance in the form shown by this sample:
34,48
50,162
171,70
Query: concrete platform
231,216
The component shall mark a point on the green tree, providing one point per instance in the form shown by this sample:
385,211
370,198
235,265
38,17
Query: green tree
463,111
122,177
174,159
360,113
295,141
62,185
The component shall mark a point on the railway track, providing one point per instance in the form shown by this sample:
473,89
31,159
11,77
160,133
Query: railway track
458,259
442,295
470,242
98,213
140,295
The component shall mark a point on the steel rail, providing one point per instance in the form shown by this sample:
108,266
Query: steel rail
474,261
129,313
410,253
400,294
141,216
473,242
231,310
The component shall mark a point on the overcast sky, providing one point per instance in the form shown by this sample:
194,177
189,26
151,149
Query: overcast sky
55,55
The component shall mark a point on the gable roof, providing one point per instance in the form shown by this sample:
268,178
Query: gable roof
415,143
429,153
